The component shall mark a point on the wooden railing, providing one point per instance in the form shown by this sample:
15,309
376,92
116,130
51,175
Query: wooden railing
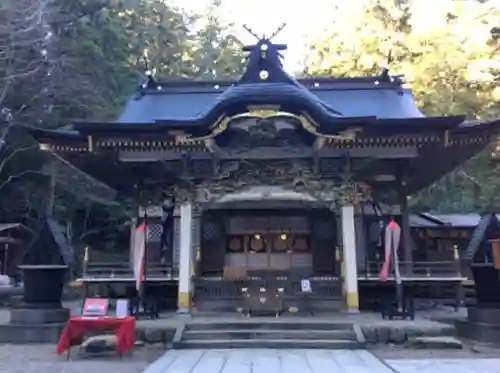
441,269
223,289
124,270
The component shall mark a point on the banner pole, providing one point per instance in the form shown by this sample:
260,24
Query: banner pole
145,259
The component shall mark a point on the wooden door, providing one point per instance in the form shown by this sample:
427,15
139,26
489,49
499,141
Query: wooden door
323,243
212,245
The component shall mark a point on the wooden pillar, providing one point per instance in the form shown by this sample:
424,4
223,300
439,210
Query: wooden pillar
406,236
360,242
350,263
459,289
185,260
133,226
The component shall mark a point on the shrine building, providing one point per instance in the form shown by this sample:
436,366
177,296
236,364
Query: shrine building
270,175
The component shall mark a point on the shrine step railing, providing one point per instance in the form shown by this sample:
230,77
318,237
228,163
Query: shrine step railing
416,269
124,270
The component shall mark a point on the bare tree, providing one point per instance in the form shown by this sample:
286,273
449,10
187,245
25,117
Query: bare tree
26,66
25,38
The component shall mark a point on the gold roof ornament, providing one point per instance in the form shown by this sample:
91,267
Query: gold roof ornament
263,111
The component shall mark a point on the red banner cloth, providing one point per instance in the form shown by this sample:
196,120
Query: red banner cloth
392,236
78,326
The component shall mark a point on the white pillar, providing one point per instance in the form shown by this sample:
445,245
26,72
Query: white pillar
184,295
350,263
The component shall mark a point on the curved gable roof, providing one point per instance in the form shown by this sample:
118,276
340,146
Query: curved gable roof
264,82
385,102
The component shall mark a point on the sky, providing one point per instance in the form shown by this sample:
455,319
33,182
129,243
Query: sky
265,16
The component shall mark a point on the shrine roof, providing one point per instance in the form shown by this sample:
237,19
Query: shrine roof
355,97
427,220
330,102
486,229
374,104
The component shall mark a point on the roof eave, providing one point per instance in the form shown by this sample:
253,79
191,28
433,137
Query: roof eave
42,135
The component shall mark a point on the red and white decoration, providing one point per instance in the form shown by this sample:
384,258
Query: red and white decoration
392,240
139,254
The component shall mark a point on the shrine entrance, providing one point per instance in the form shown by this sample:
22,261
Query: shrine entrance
278,242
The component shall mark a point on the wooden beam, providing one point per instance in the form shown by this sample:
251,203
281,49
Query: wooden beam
274,153
385,153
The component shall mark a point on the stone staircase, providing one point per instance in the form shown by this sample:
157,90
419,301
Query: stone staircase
269,334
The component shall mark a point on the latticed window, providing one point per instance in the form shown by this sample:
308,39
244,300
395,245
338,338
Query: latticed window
154,232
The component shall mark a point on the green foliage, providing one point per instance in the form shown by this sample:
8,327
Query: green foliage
449,57
81,60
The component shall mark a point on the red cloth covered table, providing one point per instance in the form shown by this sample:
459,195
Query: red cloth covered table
78,326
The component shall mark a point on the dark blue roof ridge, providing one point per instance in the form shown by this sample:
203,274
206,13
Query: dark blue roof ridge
373,82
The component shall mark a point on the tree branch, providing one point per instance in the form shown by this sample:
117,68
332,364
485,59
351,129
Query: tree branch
18,176
6,159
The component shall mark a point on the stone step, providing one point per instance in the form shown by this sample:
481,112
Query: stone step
294,334
269,343
267,324
435,343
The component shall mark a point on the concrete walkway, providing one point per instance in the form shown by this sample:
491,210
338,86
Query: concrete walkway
307,361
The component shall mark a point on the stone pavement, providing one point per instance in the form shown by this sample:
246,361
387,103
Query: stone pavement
446,365
307,361
267,361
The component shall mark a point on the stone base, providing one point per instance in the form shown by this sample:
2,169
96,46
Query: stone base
481,325
485,314
478,332
23,334
38,316
21,303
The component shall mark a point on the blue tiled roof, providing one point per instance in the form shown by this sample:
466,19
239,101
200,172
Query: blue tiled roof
383,103
264,82
388,103
148,108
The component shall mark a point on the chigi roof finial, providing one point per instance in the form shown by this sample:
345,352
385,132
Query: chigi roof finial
264,59
277,31
251,32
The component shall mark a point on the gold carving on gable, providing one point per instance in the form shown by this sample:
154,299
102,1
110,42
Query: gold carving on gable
310,125
272,112
264,111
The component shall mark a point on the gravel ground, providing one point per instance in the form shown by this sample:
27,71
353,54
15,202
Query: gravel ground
469,351
42,359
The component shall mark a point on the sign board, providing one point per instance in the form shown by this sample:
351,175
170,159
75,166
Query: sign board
122,308
95,307
305,286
